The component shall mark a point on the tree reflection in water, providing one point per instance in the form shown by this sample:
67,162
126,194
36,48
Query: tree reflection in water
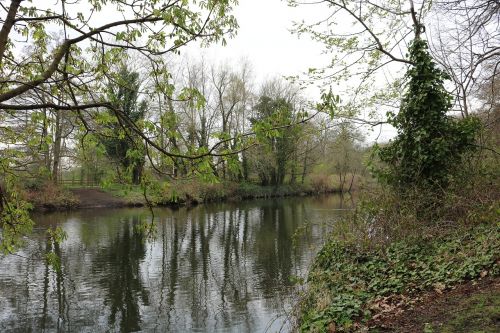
122,280
224,267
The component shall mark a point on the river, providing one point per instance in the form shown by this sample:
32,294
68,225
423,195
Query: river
211,268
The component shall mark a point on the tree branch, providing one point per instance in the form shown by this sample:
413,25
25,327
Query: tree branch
7,27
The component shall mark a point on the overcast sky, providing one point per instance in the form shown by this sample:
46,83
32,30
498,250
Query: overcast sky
265,40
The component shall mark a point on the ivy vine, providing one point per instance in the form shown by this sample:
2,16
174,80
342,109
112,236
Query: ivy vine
430,144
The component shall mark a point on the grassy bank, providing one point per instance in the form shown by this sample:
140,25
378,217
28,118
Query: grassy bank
403,242
48,196
352,282
187,193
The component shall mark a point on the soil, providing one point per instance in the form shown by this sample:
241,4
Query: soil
95,198
470,307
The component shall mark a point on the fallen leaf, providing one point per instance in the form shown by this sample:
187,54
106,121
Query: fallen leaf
439,287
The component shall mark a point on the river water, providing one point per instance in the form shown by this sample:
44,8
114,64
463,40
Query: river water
211,268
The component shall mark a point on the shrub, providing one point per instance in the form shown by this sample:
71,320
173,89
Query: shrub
321,183
50,196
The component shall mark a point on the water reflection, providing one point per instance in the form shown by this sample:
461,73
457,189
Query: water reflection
224,267
121,279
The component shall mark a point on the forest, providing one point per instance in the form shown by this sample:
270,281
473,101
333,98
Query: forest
102,105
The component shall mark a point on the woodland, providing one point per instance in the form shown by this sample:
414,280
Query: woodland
111,102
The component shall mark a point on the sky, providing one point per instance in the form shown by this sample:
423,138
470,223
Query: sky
264,38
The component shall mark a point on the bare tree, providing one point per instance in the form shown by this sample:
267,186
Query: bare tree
367,42
465,40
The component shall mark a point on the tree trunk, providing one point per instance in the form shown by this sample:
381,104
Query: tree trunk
293,169
43,143
304,165
137,173
352,180
244,165
3,198
7,26
342,182
57,147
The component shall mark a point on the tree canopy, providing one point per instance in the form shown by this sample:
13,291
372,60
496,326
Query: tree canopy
64,58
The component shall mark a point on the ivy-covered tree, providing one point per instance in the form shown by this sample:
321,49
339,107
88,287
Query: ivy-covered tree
430,144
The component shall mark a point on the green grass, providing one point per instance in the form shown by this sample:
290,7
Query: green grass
129,193
478,313
180,192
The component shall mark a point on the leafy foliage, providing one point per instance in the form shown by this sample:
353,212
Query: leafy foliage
429,144
347,280
362,38
68,72
126,147
14,218
275,132
56,237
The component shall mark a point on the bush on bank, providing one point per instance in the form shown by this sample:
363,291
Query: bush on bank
46,195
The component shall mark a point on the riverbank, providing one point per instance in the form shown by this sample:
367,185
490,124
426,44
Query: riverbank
356,288
53,198
473,306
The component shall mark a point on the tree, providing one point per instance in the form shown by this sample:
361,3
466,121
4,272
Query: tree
366,41
88,49
37,138
307,153
465,41
346,155
73,71
231,98
276,149
126,149
220,113
429,143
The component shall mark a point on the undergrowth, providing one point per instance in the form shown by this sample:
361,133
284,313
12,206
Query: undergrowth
346,281
47,195
395,246
192,192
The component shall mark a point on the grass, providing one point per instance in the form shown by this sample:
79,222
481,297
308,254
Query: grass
186,192
474,314
130,193
165,193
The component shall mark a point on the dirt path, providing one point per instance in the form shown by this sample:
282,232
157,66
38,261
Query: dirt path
96,198
471,307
